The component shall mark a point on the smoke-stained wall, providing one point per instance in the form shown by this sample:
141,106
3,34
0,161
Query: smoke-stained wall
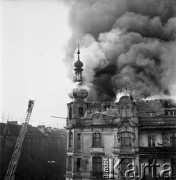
125,43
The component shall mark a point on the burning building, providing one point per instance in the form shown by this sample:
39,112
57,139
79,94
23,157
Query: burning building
101,133
128,50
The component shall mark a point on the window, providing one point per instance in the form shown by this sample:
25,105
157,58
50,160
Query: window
97,139
126,139
173,140
124,164
173,161
79,141
170,112
78,164
123,113
70,112
81,111
69,163
97,167
70,143
151,140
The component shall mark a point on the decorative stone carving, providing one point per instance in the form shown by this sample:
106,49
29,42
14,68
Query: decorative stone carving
70,149
118,136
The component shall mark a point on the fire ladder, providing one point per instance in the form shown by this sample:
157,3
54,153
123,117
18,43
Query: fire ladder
10,174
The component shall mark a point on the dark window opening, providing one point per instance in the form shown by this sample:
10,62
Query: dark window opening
70,141
78,164
70,113
173,162
81,111
170,113
78,141
97,140
97,167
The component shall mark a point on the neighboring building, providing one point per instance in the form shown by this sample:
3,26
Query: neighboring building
43,153
101,134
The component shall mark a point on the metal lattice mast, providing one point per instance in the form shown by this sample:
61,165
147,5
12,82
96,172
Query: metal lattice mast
10,174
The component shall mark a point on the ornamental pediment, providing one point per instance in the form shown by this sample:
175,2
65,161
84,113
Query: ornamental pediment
126,122
97,118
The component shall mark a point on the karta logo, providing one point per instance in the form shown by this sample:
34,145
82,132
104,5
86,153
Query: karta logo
112,170
110,167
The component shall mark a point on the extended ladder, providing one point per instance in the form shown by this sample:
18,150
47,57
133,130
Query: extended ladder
10,174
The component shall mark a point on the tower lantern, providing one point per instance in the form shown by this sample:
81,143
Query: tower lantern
78,68
79,93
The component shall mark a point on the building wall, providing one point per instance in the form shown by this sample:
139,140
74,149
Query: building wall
43,156
112,121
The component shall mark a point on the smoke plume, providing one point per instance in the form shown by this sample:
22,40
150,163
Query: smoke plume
125,43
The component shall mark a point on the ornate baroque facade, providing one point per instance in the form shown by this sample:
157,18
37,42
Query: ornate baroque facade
101,136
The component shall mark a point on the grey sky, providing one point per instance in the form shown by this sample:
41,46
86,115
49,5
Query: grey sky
34,35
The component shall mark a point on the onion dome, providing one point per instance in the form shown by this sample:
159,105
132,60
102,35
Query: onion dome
80,92
78,64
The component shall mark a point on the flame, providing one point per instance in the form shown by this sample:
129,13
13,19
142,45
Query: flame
120,94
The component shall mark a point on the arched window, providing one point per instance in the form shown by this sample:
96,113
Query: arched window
81,111
126,139
70,141
123,113
70,112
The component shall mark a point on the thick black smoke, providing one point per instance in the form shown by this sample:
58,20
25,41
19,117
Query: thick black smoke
125,43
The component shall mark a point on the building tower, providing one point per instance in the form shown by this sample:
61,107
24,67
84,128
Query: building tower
76,111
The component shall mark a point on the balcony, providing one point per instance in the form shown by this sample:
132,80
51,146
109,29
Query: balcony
82,122
124,150
155,122
156,150
97,150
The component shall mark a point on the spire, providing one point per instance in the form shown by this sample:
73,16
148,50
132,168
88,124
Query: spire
78,52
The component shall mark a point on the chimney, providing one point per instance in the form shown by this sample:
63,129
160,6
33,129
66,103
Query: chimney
49,129
41,128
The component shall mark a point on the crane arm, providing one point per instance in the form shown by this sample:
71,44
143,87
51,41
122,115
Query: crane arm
10,174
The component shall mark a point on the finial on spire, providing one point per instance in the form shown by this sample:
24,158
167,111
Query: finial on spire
78,52
126,88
